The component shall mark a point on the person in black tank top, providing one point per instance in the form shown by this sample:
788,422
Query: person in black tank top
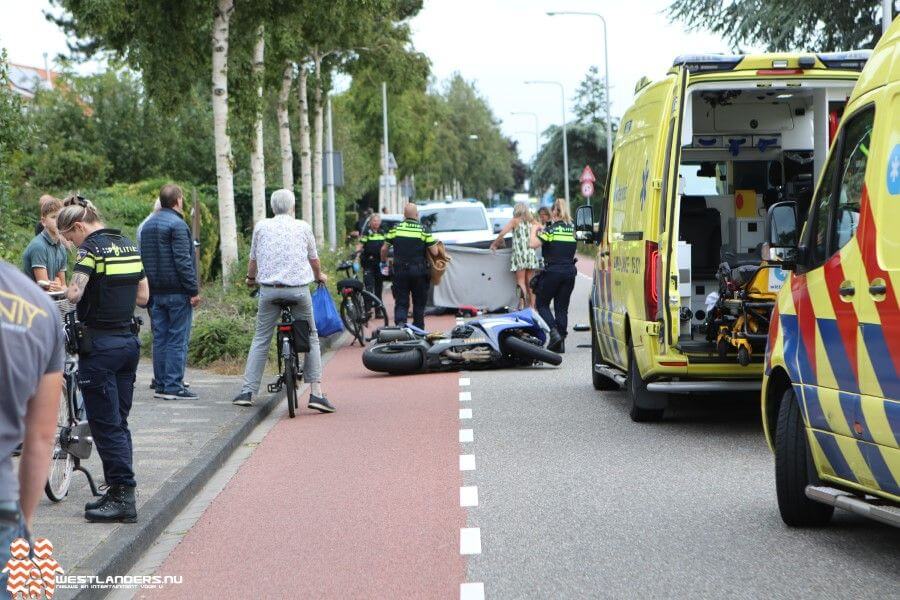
557,243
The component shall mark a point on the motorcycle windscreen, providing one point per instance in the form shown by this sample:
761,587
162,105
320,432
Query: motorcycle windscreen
477,277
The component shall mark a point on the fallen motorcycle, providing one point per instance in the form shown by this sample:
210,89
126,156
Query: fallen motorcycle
512,340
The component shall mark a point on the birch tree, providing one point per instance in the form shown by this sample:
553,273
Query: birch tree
284,126
257,159
224,159
318,183
305,151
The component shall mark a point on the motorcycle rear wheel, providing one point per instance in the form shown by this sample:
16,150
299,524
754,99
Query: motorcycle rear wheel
395,359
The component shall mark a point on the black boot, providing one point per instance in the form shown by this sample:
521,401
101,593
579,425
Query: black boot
555,341
119,507
561,348
99,501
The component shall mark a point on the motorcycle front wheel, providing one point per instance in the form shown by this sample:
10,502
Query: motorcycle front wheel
395,359
522,349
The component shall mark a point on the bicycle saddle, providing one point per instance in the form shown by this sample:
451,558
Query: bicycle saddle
283,302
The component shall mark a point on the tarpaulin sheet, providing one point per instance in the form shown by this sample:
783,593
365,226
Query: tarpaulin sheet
477,277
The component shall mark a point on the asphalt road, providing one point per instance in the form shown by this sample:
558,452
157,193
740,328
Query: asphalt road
577,501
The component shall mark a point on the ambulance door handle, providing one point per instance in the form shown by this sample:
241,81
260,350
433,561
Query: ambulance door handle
847,290
877,288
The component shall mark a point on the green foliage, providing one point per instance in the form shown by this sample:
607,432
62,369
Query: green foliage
590,98
587,146
58,167
786,25
215,338
14,134
94,130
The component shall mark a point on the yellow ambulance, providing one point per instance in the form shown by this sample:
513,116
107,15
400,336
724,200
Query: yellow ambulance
698,159
831,391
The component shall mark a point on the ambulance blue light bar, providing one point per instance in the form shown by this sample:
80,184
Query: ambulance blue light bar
854,60
704,63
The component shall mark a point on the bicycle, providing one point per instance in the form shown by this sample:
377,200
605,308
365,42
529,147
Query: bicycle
73,442
289,369
362,312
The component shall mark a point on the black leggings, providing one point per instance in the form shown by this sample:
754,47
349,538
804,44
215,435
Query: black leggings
556,285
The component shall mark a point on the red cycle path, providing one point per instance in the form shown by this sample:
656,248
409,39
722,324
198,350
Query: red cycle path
360,503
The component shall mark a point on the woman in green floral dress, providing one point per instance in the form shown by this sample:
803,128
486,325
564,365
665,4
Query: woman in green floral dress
524,260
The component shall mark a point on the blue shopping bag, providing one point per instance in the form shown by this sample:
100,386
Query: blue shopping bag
328,321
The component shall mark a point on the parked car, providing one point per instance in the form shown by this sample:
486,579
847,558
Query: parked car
500,216
831,391
460,222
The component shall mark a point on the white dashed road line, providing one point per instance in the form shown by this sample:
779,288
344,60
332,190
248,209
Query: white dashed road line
465,396
471,591
470,540
465,413
464,382
466,435
466,462
468,495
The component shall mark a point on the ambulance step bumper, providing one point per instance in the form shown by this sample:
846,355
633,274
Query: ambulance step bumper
610,373
688,387
870,507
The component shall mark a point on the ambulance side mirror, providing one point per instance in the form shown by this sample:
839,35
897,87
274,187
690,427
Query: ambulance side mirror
584,224
782,235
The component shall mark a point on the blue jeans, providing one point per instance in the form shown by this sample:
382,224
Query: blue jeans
10,529
106,378
171,316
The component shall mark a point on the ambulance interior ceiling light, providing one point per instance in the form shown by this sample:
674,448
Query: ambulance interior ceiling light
708,62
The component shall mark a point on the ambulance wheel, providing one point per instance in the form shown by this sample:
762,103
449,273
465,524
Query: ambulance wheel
743,356
645,406
794,469
601,382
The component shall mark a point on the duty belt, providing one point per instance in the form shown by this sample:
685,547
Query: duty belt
101,331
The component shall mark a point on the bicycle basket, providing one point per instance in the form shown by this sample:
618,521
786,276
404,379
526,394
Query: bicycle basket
300,329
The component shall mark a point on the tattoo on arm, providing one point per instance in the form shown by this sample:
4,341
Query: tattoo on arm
76,288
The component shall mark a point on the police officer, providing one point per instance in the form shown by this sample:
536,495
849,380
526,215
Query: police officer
557,243
108,281
411,275
369,247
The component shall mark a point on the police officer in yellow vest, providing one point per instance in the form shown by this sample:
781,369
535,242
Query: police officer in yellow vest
557,243
369,248
411,274
108,281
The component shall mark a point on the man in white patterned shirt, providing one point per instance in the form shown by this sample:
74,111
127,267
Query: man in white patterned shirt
283,262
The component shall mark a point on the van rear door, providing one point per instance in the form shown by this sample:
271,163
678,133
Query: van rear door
669,303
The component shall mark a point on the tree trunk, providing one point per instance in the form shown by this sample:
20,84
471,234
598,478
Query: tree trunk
257,159
305,158
224,169
284,128
318,179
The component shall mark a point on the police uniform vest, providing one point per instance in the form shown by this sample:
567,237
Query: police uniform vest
559,244
372,241
409,241
113,265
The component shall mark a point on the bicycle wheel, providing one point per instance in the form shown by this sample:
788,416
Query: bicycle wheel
290,377
375,318
61,462
351,312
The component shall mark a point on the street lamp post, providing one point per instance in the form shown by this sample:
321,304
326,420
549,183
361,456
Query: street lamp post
537,131
605,74
562,95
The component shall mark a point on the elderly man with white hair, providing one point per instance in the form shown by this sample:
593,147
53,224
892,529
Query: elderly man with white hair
283,262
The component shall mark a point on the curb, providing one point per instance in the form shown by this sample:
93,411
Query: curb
121,550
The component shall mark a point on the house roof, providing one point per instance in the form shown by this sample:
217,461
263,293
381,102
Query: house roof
26,80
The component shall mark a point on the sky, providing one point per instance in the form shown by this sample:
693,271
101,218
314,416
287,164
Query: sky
497,44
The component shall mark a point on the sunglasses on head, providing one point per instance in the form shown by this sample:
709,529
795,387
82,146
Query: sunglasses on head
79,200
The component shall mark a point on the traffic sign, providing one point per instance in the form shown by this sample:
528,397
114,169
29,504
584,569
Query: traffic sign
587,189
587,176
